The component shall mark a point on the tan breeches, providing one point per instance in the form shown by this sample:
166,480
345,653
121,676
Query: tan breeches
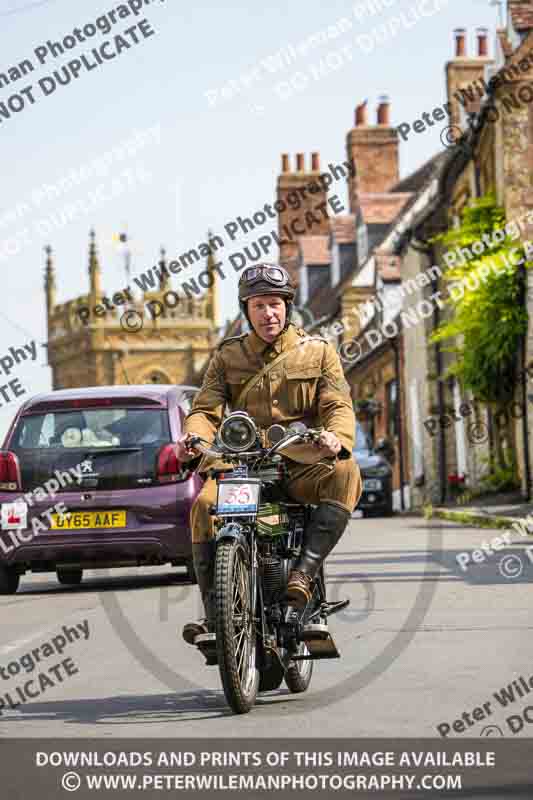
339,483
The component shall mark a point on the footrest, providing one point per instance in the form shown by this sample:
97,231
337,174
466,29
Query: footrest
333,608
207,645
327,608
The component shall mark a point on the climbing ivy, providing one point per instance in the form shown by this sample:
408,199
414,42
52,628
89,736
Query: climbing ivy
487,319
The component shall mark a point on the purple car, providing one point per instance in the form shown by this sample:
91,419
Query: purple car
89,478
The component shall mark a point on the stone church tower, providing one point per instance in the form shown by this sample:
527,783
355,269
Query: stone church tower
174,348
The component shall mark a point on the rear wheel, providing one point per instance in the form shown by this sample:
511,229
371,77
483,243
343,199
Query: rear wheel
299,673
69,577
9,580
235,626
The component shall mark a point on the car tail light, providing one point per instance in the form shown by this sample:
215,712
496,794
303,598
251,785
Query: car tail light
169,469
9,472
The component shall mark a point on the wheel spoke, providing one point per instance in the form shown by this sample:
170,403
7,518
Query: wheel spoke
237,628
241,619
239,636
242,659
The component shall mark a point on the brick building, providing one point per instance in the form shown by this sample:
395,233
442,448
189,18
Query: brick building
494,154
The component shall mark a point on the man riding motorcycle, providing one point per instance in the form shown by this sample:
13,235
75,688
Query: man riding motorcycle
305,384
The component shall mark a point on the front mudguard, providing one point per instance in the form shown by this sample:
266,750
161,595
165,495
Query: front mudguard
232,531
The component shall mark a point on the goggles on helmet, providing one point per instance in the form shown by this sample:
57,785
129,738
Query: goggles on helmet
273,275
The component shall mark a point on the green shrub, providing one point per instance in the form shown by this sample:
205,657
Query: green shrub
501,479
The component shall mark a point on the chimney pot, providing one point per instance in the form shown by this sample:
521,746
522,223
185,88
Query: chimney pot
300,165
285,166
384,111
482,42
360,114
460,42
315,162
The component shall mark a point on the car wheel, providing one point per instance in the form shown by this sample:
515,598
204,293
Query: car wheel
9,580
191,574
69,577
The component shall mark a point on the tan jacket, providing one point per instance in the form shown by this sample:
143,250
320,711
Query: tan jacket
308,386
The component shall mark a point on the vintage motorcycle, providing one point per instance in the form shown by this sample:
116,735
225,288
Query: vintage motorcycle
260,640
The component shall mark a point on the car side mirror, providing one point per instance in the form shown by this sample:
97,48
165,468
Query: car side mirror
385,449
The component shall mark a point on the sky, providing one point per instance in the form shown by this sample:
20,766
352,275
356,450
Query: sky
192,119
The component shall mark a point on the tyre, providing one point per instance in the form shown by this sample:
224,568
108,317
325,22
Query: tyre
9,580
299,673
271,678
69,577
235,626
191,574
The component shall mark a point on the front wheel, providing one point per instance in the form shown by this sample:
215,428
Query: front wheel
235,626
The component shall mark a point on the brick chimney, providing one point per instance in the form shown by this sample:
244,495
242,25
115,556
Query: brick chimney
465,75
292,206
374,150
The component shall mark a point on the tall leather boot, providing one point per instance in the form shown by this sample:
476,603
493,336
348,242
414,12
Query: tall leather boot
203,555
324,529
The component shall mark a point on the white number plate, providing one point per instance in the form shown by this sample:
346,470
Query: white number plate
371,485
237,498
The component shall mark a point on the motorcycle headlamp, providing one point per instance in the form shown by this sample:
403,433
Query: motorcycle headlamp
238,432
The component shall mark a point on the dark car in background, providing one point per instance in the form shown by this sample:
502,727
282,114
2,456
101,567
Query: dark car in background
376,474
110,450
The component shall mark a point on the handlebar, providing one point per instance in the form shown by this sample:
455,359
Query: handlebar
310,435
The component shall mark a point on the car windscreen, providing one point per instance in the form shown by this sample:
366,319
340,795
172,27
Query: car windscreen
117,446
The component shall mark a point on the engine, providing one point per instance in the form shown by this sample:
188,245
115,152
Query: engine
272,576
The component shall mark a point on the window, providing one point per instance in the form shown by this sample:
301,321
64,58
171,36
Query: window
121,445
391,390
156,376
362,244
347,254
90,429
317,278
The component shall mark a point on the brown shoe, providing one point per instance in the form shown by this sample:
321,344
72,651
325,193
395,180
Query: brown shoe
193,629
299,589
